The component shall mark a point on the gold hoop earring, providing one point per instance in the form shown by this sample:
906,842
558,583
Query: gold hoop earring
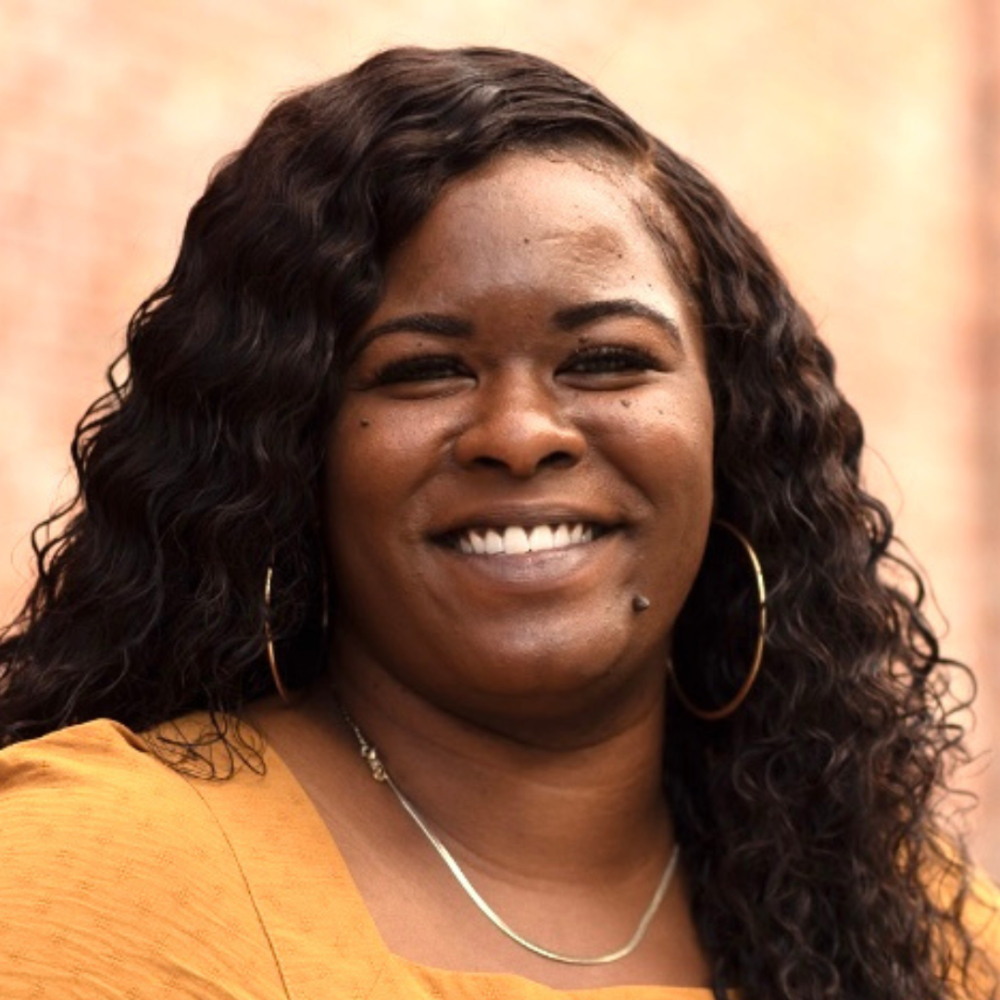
724,711
272,660
289,695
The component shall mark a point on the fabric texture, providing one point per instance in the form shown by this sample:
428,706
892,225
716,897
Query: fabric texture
122,879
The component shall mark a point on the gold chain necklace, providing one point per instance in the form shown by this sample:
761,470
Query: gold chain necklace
379,773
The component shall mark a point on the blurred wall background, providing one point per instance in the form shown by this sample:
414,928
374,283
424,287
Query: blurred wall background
861,139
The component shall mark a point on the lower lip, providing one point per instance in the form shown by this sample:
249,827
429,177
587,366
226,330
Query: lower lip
529,570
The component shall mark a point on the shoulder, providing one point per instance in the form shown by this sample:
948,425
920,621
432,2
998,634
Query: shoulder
75,789
90,755
72,791
982,921
957,887
115,874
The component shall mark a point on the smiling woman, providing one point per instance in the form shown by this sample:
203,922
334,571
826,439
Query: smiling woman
473,431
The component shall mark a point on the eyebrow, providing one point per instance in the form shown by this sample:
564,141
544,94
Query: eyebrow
574,317
433,323
568,319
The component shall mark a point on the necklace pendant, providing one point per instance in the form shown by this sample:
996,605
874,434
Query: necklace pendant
376,766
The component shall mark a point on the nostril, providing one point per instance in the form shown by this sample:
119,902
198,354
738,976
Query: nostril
553,460
487,462
557,460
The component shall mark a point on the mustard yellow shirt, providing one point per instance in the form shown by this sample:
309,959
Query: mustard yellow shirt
121,879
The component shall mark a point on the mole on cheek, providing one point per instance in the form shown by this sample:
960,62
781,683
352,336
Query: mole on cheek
364,423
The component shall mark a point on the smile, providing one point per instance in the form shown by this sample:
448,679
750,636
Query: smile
519,539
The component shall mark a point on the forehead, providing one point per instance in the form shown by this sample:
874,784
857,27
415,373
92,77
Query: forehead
531,216
552,186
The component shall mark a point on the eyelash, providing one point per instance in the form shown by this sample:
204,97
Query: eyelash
611,359
421,368
604,359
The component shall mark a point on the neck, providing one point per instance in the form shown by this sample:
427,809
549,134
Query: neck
533,802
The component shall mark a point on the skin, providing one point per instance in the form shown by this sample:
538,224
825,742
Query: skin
516,699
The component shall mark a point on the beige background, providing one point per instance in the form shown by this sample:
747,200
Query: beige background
860,138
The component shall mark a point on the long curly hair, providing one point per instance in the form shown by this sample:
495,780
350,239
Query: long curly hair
810,820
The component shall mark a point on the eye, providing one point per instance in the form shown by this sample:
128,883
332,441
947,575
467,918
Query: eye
419,376
610,359
420,368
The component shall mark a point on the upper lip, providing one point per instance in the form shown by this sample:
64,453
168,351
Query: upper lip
527,516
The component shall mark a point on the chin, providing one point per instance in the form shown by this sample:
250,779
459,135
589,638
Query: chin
573,692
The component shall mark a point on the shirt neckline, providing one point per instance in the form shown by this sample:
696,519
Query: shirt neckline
308,934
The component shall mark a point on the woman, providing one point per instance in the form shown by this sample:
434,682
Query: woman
463,421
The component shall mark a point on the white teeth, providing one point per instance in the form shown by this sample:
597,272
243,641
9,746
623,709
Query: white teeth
540,538
517,540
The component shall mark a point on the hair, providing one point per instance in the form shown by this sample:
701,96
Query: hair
811,819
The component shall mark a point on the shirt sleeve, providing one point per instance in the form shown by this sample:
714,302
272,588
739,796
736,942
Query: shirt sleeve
116,882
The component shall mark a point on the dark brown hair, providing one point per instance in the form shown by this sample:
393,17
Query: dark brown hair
808,820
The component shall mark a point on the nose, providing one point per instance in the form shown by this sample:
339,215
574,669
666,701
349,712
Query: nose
519,425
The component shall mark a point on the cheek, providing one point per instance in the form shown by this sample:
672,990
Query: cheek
359,491
664,437
674,436
370,456
357,478
376,463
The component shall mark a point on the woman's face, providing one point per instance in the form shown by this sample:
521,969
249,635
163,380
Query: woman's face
524,445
